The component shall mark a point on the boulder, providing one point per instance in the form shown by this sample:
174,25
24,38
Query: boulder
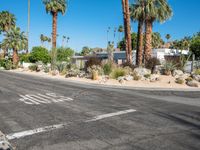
128,78
142,71
192,84
177,73
196,77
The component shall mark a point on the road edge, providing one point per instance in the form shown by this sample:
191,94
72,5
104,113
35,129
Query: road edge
108,86
4,143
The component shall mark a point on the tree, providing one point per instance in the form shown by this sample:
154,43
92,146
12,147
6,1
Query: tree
195,46
155,10
127,29
15,40
39,54
54,7
121,44
168,36
138,14
110,50
85,51
120,31
64,54
157,41
7,20
63,40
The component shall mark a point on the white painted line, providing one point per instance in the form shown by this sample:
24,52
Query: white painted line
59,126
100,117
34,131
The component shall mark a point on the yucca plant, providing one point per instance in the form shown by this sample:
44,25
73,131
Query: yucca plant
168,68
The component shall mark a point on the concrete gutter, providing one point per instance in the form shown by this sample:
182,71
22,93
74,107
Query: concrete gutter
4,144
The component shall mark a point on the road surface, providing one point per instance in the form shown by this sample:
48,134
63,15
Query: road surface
47,114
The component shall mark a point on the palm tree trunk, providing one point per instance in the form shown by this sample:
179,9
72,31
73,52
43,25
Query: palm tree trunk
127,29
139,54
15,57
148,40
54,34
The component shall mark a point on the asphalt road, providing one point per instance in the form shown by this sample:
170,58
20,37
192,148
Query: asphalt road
47,114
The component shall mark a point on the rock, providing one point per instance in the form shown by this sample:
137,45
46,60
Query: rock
128,78
192,84
196,77
55,73
4,144
154,78
177,73
121,80
157,69
104,79
184,76
142,71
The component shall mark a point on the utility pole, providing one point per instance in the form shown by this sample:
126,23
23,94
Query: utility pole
28,25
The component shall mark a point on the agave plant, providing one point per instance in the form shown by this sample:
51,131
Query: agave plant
168,67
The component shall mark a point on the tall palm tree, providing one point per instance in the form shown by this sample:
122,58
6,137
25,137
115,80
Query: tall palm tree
7,20
167,36
15,40
138,14
120,31
155,10
55,7
63,40
42,39
127,29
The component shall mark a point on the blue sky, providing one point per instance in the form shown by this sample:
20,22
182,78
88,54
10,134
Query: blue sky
86,21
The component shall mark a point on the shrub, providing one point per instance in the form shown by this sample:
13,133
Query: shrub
24,58
93,61
118,72
197,72
179,81
189,79
107,68
147,75
8,64
127,64
168,68
136,78
152,63
61,67
33,67
39,54
2,62
195,46
64,54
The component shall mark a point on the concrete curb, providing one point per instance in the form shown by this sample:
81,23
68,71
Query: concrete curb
4,144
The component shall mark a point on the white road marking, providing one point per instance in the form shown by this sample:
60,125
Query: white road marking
100,117
34,131
43,98
22,134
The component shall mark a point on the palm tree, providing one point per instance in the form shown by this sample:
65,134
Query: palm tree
7,20
168,36
120,31
155,10
63,40
54,7
127,29
42,39
68,38
15,40
138,14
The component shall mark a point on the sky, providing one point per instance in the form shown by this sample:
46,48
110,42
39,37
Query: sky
86,21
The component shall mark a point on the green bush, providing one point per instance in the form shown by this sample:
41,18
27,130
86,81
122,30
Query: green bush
197,72
24,58
118,72
179,81
8,64
189,79
62,67
39,54
33,67
64,54
107,68
2,62
147,75
195,46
